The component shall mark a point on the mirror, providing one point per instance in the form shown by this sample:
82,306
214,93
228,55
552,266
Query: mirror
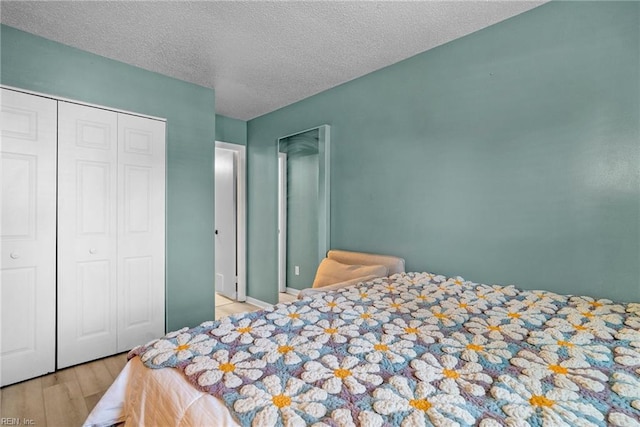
303,206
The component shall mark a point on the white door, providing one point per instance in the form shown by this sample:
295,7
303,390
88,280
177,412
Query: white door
141,233
87,186
28,234
225,221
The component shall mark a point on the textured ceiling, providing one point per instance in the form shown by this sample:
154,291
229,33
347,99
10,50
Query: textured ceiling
258,56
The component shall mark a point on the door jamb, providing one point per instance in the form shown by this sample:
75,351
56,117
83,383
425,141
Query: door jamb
241,215
282,222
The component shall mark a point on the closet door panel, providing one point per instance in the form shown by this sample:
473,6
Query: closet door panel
28,236
141,230
87,233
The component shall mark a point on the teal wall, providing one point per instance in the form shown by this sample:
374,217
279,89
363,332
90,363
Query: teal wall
37,64
511,155
231,130
303,165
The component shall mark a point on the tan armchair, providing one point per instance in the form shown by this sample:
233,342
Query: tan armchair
344,268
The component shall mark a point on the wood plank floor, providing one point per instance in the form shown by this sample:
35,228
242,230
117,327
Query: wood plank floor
65,398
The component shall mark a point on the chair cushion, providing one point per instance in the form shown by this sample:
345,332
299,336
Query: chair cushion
331,271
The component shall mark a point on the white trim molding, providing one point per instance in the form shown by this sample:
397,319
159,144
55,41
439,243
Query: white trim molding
293,291
258,303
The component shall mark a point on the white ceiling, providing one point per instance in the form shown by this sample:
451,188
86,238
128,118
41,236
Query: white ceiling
258,56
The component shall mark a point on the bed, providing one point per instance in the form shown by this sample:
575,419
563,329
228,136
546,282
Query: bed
410,349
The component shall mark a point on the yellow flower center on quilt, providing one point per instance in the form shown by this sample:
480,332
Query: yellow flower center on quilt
493,328
565,344
457,282
381,347
331,330
364,295
587,314
395,305
390,288
294,316
482,297
365,316
227,367
332,304
514,315
341,373
596,304
182,347
558,369
422,297
421,404
474,347
284,349
463,305
411,330
440,315
281,400
537,400
245,330
450,373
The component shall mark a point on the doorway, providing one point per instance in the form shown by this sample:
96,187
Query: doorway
230,221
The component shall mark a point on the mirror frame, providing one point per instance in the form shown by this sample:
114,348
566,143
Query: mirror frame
324,184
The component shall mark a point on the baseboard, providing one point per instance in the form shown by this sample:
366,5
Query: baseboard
258,303
293,291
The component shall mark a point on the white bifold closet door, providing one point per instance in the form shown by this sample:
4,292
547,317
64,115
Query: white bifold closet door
110,232
28,234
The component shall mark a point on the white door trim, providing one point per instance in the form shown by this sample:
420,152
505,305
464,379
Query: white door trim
282,222
241,212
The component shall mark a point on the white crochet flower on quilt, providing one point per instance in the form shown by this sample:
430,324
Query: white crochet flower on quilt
517,313
453,378
390,288
436,315
633,322
349,372
539,301
572,374
587,315
396,305
287,347
629,356
468,302
181,344
376,349
413,330
245,330
360,294
597,306
618,419
627,386
295,315
219,367
493,351
281,403
371,316
527,404
331,303
337,330
496,329
423,295
489,294
581,325
579,345
342,417
418,404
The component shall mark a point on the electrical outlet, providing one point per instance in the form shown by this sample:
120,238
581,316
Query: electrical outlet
297,270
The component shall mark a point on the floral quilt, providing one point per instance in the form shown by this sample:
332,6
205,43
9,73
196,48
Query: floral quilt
418,349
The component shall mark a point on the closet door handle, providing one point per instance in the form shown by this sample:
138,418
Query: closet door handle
14,255
93,251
